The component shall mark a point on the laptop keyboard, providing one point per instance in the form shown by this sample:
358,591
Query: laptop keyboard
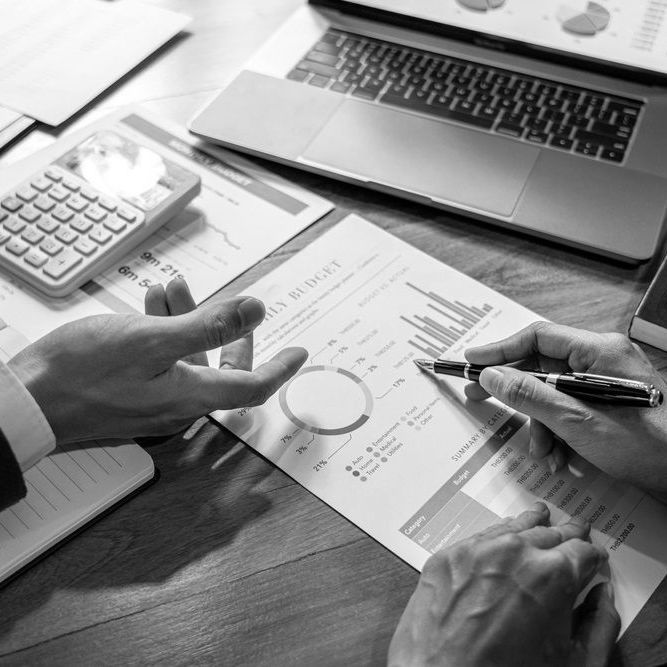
531,109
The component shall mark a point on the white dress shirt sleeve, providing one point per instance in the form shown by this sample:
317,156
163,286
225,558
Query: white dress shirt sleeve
22,422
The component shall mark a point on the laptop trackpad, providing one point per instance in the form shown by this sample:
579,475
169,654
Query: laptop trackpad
442,161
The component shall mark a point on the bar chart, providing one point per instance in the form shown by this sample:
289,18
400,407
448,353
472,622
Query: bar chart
444,323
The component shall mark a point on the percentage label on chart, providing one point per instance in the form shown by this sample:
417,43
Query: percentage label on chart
320,465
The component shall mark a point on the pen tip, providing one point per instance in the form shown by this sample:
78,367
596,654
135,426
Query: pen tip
424,364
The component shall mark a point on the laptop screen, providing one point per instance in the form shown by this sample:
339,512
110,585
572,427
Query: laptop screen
627,34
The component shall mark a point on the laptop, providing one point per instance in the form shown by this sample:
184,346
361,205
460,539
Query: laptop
544,117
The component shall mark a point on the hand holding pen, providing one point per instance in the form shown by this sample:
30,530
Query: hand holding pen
626,442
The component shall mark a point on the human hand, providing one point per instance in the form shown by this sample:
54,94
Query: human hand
628,443
118,376
505,598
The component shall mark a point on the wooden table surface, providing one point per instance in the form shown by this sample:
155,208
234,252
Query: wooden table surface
225,559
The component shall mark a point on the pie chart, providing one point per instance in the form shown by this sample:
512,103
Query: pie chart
481,5
589,21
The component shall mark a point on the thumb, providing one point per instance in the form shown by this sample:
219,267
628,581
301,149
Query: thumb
595,628
524,393
206,328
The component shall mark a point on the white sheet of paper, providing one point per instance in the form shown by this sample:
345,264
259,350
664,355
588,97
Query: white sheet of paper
400,453
57,57
619,31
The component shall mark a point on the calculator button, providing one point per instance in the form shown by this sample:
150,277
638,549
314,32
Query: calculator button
71,184
12,204
85,246
50,247
53,175
45,204
66,235
62,214
4,236
48,225
95,214
100,235
88,194
59,194
77,204
81,224
32,235
115,225
3,216
36,258
127,214
26,194
42,184
16,247
59,266
107,204
29,215
14,225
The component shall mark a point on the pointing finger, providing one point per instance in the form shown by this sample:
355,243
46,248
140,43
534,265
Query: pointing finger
548,537
180,301
155,301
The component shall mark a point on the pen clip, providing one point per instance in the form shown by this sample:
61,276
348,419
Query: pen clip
621,382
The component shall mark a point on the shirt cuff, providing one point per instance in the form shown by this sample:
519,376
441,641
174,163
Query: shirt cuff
22,422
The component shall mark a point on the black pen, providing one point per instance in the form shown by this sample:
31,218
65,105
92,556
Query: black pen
600,388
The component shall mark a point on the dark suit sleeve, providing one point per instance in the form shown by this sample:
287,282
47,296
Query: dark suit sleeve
12,486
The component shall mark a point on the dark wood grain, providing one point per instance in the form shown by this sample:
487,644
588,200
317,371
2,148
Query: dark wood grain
226,560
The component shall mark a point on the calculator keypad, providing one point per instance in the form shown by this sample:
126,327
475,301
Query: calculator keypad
55,223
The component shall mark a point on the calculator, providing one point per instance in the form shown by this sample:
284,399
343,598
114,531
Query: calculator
85,210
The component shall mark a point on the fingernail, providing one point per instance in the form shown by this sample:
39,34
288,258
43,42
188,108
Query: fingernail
609,590
552,463
251,311
540,507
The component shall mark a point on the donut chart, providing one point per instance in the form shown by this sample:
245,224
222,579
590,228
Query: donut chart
481,5
326,400
587,22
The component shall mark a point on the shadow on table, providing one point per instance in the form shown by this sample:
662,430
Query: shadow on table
205,495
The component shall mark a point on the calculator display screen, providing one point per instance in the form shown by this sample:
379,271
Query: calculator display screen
121,168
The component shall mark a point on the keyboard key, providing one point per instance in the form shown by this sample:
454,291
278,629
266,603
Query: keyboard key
53,175
510,130
63,263
319,81
66,235
62,214
587,149
85,247
71,184
77,204
48,225
592,137
32,236
50,247
59,193
4,236
298,75
14,225
17,247
12,204
611,155
339,87
95,214
363,94
88,194
43,203
537,137
317,68
36,258
42,184
610,130
29,214
107,204
322,58
127,214
114,224
26,194
100,235
80,224
562,143
3,216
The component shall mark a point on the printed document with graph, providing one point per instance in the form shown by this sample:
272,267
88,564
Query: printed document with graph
400,453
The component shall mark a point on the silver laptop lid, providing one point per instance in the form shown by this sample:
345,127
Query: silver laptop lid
621,37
